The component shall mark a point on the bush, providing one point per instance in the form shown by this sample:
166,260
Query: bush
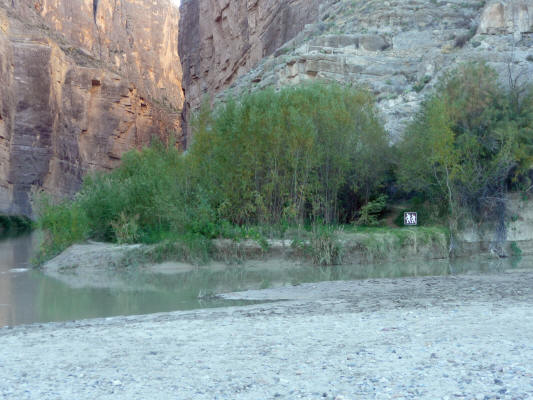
290,155
151,189
371,211
148,196
126,229
516,251
275,158
465,142
64,224
325,247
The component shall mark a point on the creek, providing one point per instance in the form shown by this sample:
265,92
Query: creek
29,295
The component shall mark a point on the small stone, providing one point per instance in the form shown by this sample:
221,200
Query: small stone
498,381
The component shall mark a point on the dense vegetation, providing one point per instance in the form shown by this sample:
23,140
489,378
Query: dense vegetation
310,155
313,152
14,225
470,142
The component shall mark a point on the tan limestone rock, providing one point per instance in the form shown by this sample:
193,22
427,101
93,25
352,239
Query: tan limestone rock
507,16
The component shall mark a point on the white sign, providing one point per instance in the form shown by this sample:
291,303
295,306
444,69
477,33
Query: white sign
410,218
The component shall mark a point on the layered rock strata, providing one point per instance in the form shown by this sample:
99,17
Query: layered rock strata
398,49
223,39
81,83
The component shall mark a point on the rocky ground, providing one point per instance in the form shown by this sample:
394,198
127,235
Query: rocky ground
467,337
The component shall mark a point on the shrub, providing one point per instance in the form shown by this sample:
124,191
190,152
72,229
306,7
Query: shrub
193,248
516,251
275,158
151,187
148,196
325,247
465,142
461,40
64,224
126,229
290,154
371,211
421,84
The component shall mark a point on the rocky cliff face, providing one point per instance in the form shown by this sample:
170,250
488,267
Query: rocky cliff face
223,39
396,48
81,83
84,81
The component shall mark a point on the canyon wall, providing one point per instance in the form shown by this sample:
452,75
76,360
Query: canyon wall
223,39
81,82
397,49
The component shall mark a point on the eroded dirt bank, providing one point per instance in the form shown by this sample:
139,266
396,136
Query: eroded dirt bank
419,338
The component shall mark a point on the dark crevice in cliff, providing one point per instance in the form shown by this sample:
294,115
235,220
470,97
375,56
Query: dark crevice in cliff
95,8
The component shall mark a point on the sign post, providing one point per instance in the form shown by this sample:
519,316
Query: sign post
410,218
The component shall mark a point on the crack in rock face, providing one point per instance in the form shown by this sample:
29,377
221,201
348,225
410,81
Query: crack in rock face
95,8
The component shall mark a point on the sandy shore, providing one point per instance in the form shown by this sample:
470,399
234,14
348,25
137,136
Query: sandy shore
464,337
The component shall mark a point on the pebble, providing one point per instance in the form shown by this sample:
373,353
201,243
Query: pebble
280,349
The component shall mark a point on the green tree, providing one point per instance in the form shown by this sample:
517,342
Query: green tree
463,145
288,154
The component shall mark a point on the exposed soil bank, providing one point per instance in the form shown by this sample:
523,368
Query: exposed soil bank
99,264
419,338
375,245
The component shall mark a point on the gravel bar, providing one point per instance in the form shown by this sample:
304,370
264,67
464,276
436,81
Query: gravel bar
467,337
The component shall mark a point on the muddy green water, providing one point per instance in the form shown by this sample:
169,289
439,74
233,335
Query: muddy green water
30,296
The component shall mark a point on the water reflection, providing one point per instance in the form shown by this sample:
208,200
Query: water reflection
58,302
27,297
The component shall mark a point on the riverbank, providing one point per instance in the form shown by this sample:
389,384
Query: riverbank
101,265
96,264
344,245
368,245
414,338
